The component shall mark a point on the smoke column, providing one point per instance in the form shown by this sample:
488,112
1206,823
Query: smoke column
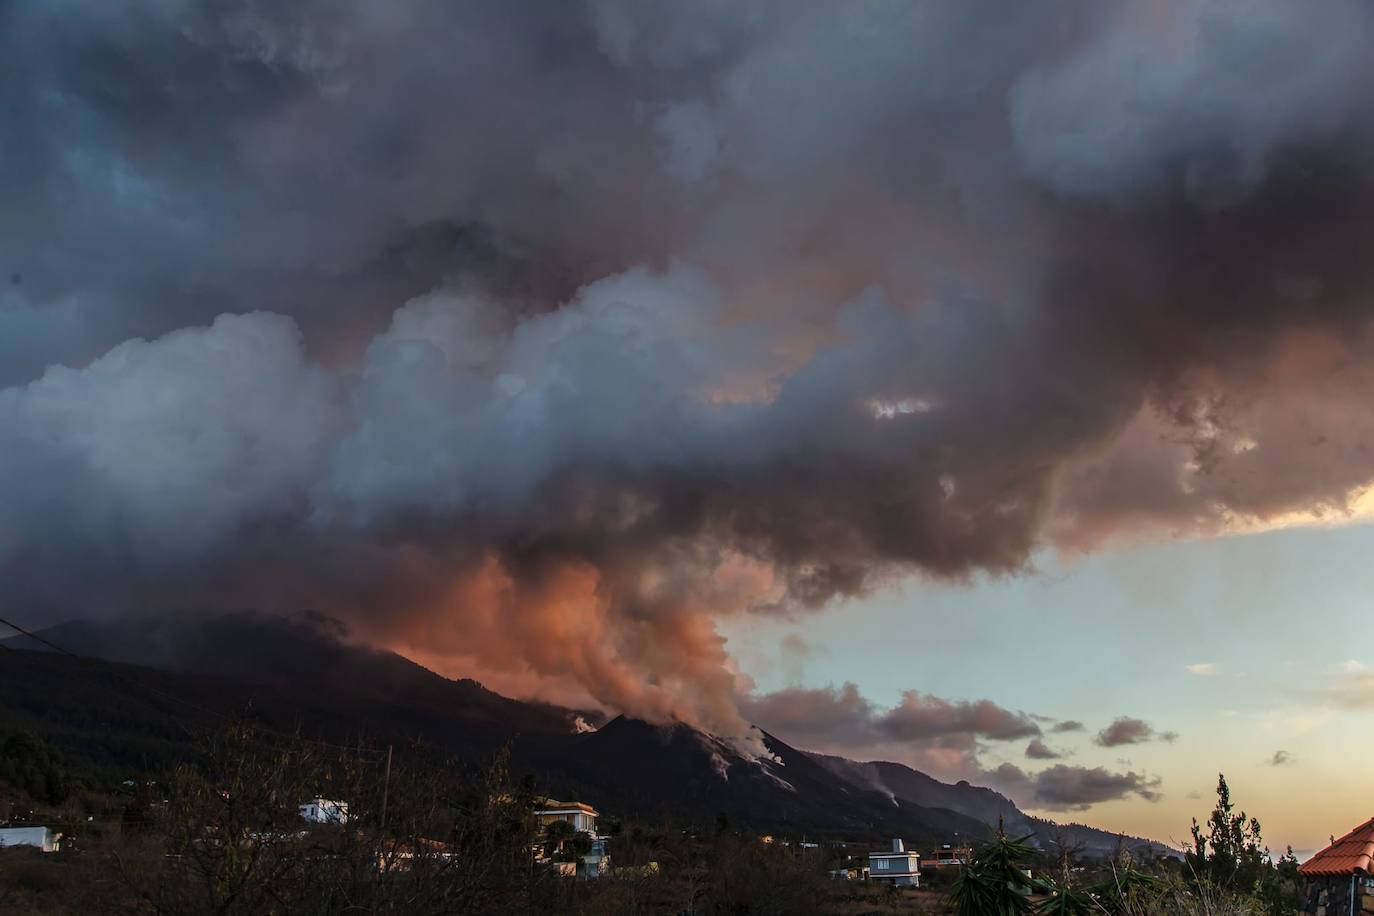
543,337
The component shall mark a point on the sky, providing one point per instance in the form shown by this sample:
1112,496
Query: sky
1244,646
644,356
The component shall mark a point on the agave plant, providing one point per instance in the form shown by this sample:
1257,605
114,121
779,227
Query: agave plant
996,881
1067,901
1128,890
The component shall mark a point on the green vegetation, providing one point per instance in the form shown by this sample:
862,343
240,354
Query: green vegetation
1227,871
31,766
1228,858
997,881
564,843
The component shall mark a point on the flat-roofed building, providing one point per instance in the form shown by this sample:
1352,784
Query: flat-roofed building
896,866
581,816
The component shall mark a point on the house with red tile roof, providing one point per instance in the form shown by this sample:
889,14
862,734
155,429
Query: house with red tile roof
1340,878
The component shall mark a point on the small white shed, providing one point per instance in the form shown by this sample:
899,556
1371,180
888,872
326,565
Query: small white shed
324,811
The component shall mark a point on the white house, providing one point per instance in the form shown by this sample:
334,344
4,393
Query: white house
42,837
324,811
895,867
582,817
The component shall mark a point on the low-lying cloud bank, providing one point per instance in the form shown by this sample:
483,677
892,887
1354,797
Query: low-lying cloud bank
949,739
933,733
1072,788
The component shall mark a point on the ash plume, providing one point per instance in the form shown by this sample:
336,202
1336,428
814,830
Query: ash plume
540,338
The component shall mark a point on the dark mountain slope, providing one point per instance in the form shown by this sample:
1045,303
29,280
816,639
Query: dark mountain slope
173,680
305,654
116,721
903,782
112,721
980,803
628,763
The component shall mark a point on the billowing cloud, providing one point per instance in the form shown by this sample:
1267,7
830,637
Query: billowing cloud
1126,730
1068,725
742,309
161,451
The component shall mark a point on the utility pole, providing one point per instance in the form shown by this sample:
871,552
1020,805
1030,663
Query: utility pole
386,785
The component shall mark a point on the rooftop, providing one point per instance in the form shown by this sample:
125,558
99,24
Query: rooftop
550,806
1350,854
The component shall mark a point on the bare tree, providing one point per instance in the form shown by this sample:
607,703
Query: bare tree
233,840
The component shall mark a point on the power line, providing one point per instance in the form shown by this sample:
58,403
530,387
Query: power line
181,700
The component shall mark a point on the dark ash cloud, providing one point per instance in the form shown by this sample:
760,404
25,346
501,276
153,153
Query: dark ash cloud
1280,758
1068,725
451,319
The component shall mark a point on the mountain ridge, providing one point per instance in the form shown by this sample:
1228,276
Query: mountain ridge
988,806
304,664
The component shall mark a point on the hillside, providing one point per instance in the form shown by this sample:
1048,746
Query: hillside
305,656
145,691
685,770
907,786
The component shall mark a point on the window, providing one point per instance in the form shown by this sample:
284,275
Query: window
880,864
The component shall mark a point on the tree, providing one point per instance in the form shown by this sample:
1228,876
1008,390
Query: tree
1231,853
556,833
578,845
29,764
1228,856
231,841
